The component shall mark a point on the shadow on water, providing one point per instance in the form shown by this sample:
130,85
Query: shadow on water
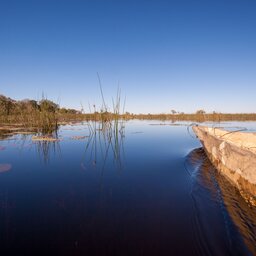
237,217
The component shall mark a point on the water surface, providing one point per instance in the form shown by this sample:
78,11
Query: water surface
151,191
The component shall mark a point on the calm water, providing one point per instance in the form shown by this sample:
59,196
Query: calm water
151,192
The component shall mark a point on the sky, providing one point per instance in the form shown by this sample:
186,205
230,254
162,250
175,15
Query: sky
178,54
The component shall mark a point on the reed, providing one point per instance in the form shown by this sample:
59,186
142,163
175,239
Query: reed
106,130
45,116
41,116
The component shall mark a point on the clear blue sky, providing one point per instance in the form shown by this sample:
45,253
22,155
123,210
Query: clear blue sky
183,55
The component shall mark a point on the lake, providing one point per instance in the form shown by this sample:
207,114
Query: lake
150,190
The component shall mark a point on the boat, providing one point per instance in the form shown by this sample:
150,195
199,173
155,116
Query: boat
233,154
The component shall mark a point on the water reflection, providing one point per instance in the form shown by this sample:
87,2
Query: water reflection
49,148
154,207
45,149
242,214
237,215
104,144
5,135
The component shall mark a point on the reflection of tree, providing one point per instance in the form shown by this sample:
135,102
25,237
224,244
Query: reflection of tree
4,134
229,198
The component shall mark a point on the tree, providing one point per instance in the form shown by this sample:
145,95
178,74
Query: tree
48,105
6,105
27,105
200,112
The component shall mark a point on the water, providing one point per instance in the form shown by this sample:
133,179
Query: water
151,192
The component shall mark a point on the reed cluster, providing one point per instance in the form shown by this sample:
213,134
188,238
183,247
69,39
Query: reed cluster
106,130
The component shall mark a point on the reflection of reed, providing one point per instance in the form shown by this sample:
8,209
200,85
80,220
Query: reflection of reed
105,140
4,135
229,198
46,149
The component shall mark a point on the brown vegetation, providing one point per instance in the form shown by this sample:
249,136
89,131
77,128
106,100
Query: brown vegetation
44,138
199,116
44,116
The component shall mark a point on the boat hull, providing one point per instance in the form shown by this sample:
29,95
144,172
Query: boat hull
231,157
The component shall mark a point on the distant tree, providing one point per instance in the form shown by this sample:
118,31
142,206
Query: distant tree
216,116
27,105
73,111
200,112
63,111
33,104
6,105
48,106
200,115
174,111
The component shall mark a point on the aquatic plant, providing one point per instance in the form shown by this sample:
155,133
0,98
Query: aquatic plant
106,129
44,116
